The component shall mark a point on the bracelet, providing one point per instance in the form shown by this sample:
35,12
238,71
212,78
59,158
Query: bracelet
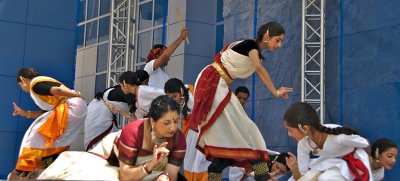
29,114
145,169
278,93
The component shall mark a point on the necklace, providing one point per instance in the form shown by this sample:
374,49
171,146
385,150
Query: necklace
315,150
157,140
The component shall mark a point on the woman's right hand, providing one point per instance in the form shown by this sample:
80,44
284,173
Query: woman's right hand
184,33
283,92
159,153
115,109
291,162
18,110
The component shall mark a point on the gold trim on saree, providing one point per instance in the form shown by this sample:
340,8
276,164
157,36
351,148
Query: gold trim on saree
222,73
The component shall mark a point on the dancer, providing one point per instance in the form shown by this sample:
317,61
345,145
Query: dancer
182,94
383,156
54,128
224,125
101,118
153,147
158,58
340,150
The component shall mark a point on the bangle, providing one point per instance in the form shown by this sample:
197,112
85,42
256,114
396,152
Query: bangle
79,93
29,114
145,169
278,93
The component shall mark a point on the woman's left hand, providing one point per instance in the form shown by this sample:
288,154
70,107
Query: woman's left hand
283,92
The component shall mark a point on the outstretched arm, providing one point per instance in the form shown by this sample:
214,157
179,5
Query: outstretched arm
28,114
164,57
264,76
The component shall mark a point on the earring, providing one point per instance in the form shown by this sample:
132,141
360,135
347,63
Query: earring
265,41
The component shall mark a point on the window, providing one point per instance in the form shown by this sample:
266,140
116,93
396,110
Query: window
82,10
81,36
145,15
219,27
105,6
91,33
94,25
157,36
92,9
152,15
159,12
102,56
145,46
101,82
104,29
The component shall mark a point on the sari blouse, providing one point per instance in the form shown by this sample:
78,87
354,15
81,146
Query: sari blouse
134,146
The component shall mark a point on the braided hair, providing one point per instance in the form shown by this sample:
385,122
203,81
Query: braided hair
175,85
302,113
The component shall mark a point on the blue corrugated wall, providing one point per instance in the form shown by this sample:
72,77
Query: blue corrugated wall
39,34
362,66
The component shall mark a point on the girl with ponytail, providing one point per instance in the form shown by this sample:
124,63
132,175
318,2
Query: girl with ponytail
195,164
175,89
339,149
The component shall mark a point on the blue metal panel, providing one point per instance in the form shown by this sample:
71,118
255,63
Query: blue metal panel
53,13
49,50
11,49
11,91
8,142
47,43
13,10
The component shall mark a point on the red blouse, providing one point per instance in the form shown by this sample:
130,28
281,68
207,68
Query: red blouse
135,140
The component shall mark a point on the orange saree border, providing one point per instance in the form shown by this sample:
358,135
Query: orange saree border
30,157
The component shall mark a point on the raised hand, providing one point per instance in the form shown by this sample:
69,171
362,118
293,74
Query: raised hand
159,153
18,110
184,33
291,162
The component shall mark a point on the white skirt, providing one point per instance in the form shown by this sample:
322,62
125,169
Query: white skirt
77,110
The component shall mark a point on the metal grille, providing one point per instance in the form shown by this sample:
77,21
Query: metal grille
313,54
122,27
121,36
